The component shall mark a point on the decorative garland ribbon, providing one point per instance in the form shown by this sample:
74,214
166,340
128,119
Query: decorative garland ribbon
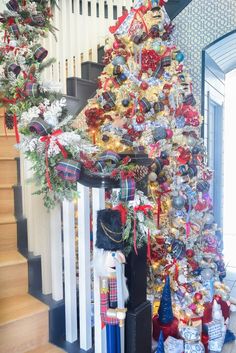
174,263
16,128
160,194
138,12
47,140
144,209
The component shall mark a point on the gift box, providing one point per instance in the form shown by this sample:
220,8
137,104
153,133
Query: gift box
109,230
189,333
173,345
213,329
216,345
195,347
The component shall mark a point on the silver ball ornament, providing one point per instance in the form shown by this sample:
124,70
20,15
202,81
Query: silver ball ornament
207,274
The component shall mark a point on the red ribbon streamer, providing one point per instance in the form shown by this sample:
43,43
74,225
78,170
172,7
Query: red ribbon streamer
16,128
47,140
144,209
174,263
149,245
138,12
123,212
160,194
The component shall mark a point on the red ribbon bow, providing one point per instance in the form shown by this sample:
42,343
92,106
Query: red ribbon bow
144,209
123,212
47,140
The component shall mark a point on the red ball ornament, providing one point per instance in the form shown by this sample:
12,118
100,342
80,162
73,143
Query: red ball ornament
140,119
144,85
189,253
116,45
198,296
169,133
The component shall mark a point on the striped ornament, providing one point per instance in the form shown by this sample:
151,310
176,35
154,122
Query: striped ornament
145,105
127,192
40,127
68,170
158,107
159,71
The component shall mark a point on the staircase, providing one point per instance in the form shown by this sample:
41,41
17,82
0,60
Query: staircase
23,319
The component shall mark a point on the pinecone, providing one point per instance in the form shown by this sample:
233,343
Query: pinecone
9,121
140,171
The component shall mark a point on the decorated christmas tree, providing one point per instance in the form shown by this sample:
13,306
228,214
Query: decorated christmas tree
145,104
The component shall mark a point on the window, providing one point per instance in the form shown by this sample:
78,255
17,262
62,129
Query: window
90,54
73,6
89,8
80,7
97,9
105,10
115,12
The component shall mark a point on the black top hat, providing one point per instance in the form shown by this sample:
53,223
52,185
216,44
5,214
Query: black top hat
109,230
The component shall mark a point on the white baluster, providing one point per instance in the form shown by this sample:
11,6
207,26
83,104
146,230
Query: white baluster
56,252
42,235
99,334
70,271
84,268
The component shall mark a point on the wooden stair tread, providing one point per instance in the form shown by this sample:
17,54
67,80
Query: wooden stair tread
7,159
6,186
6,219
19,307
48,348
8,258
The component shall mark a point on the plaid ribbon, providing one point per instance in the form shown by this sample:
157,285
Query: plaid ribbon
127,191
38,20
108,299
69,170
164,62
12,5
31,89
109,156
154,31
145,105
14,29
14,68
40,54
40,127
189,100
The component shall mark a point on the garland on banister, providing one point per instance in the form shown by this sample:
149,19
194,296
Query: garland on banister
36,110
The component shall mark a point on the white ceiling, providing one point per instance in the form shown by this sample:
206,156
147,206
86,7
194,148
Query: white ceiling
223,52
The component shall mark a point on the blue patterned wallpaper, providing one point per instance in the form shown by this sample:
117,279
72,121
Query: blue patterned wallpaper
198,25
